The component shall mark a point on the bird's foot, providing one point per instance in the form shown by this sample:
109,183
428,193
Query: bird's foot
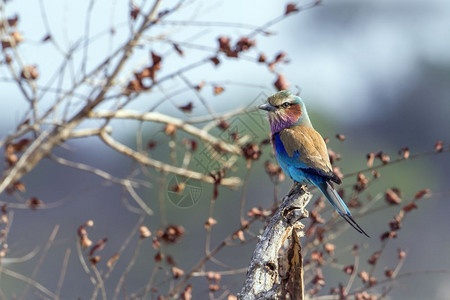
297,188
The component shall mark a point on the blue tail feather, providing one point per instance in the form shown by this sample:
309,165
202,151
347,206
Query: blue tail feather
333,197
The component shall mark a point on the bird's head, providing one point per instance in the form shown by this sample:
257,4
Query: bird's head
285,110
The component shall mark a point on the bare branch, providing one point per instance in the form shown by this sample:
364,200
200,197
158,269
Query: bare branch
29,281
41,260
62,274
138,199
165,119
158,165
61,133
264,273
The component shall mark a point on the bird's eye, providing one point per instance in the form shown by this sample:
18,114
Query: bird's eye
285,104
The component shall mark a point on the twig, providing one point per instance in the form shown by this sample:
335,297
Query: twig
243,193
100,284
199,95
210,24
399,276
177,288
412,157
62,274
276,20
223,116
96,171
84,264
158,165
28,281
121,250
41,260
162,201
127,269
15,260
355,271
151,280
138,199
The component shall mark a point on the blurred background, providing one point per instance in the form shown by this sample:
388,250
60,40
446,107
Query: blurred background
376,71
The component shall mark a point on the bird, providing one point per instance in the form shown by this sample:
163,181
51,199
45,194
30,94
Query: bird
301,151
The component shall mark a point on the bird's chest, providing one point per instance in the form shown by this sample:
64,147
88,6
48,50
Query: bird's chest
291,165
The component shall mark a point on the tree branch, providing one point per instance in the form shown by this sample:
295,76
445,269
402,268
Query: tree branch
158,165
60,134
165,119
271,274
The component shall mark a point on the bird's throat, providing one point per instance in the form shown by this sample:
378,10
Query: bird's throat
280,122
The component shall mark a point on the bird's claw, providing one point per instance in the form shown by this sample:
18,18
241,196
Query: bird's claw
297,188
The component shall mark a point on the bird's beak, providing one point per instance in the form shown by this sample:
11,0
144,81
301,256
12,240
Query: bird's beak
267,106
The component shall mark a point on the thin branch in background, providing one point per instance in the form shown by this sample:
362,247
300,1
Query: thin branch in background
2,294
96,171
41,260
62,274
177,288
354,272
211,24
138,199
223,116
398,160
16,260
394,275
100,284
165,119
84,264
151,280
127,241
210,222
161,200
48,30
86,45
130,265
230,181
262,29
29,282
244,193
198,94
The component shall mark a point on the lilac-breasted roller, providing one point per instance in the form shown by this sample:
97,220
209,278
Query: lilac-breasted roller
301,151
